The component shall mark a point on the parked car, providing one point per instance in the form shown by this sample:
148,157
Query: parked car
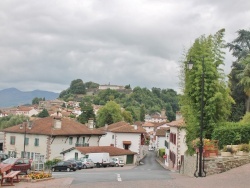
78,163
111,163
64,166
3,156
87,163
118,162
19,164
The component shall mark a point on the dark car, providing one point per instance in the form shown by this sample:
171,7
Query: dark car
19,164
78,163
64,166
3,156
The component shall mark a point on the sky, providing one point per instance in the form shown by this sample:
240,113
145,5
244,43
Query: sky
49,43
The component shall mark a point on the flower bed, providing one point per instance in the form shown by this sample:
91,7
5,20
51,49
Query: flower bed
39,175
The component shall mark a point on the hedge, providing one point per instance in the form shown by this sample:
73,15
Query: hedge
232,133
161,152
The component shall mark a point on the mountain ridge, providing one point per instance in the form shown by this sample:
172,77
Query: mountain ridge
11,97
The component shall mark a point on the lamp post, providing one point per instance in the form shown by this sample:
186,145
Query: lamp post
24,142
200,165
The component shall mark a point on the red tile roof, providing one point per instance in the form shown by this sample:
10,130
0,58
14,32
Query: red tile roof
123,127
162,131
177,123
45,126
113,151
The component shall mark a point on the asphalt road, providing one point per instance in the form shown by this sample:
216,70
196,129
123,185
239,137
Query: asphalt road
149,170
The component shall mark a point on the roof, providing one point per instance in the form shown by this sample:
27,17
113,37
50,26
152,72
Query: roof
123,127
162,131
45,126
113,151
148,124
177,123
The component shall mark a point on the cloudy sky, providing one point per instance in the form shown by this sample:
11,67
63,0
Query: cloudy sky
48,43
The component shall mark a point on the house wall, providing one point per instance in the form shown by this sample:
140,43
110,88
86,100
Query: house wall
50,147
160,142
61,143
173,147
19,144
133,137
108,139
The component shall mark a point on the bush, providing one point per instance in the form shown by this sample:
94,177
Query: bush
244,147
50,163
232,133
161,152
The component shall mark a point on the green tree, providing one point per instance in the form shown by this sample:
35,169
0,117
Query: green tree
240,48
12,120
87,111
36,100
217,99
91,85
142,113
108,114
77,87
43,113
127,116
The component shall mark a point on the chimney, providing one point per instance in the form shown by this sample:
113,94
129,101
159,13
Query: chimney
135,127
91,123
57,123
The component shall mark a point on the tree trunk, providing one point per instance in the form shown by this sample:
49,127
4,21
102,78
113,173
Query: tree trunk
248,104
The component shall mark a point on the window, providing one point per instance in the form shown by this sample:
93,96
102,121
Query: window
113,136
70,140
26,141
36,141
12,140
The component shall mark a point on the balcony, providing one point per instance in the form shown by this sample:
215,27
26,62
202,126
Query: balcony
81,144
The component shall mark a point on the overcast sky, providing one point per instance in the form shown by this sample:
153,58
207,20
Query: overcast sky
46,44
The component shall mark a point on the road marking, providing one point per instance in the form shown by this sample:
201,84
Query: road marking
119,177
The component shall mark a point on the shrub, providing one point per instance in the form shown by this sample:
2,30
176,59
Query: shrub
244,147
161,152
228,149
232,133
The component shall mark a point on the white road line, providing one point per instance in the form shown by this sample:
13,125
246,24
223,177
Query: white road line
119,177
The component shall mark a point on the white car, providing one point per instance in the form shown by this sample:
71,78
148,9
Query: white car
87,163
118,162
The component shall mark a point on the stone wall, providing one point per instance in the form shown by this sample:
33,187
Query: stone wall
213,165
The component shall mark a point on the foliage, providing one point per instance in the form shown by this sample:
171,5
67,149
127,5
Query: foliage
44,113
232,133
12,120
36,100
240,48
87,111
246,118
161,152
76,87
108,114
207,55
244,147
206,142
91,85
52,162
39,175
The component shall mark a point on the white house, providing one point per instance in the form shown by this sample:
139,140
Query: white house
176,144
48,137
161,137
128,156
24,110
125,136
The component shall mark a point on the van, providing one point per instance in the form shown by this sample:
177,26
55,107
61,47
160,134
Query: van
100,159
118,162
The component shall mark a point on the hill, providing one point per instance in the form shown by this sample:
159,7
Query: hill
13,97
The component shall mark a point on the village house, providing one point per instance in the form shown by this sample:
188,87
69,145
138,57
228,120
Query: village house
125,136
48,137
48,104
161,137
127,156
24,110
175,144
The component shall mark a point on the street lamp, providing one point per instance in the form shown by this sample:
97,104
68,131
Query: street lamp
200,165
24,142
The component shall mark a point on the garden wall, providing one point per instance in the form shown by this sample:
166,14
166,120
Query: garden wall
213,165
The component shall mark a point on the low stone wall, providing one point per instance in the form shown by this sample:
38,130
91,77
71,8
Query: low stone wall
213,165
